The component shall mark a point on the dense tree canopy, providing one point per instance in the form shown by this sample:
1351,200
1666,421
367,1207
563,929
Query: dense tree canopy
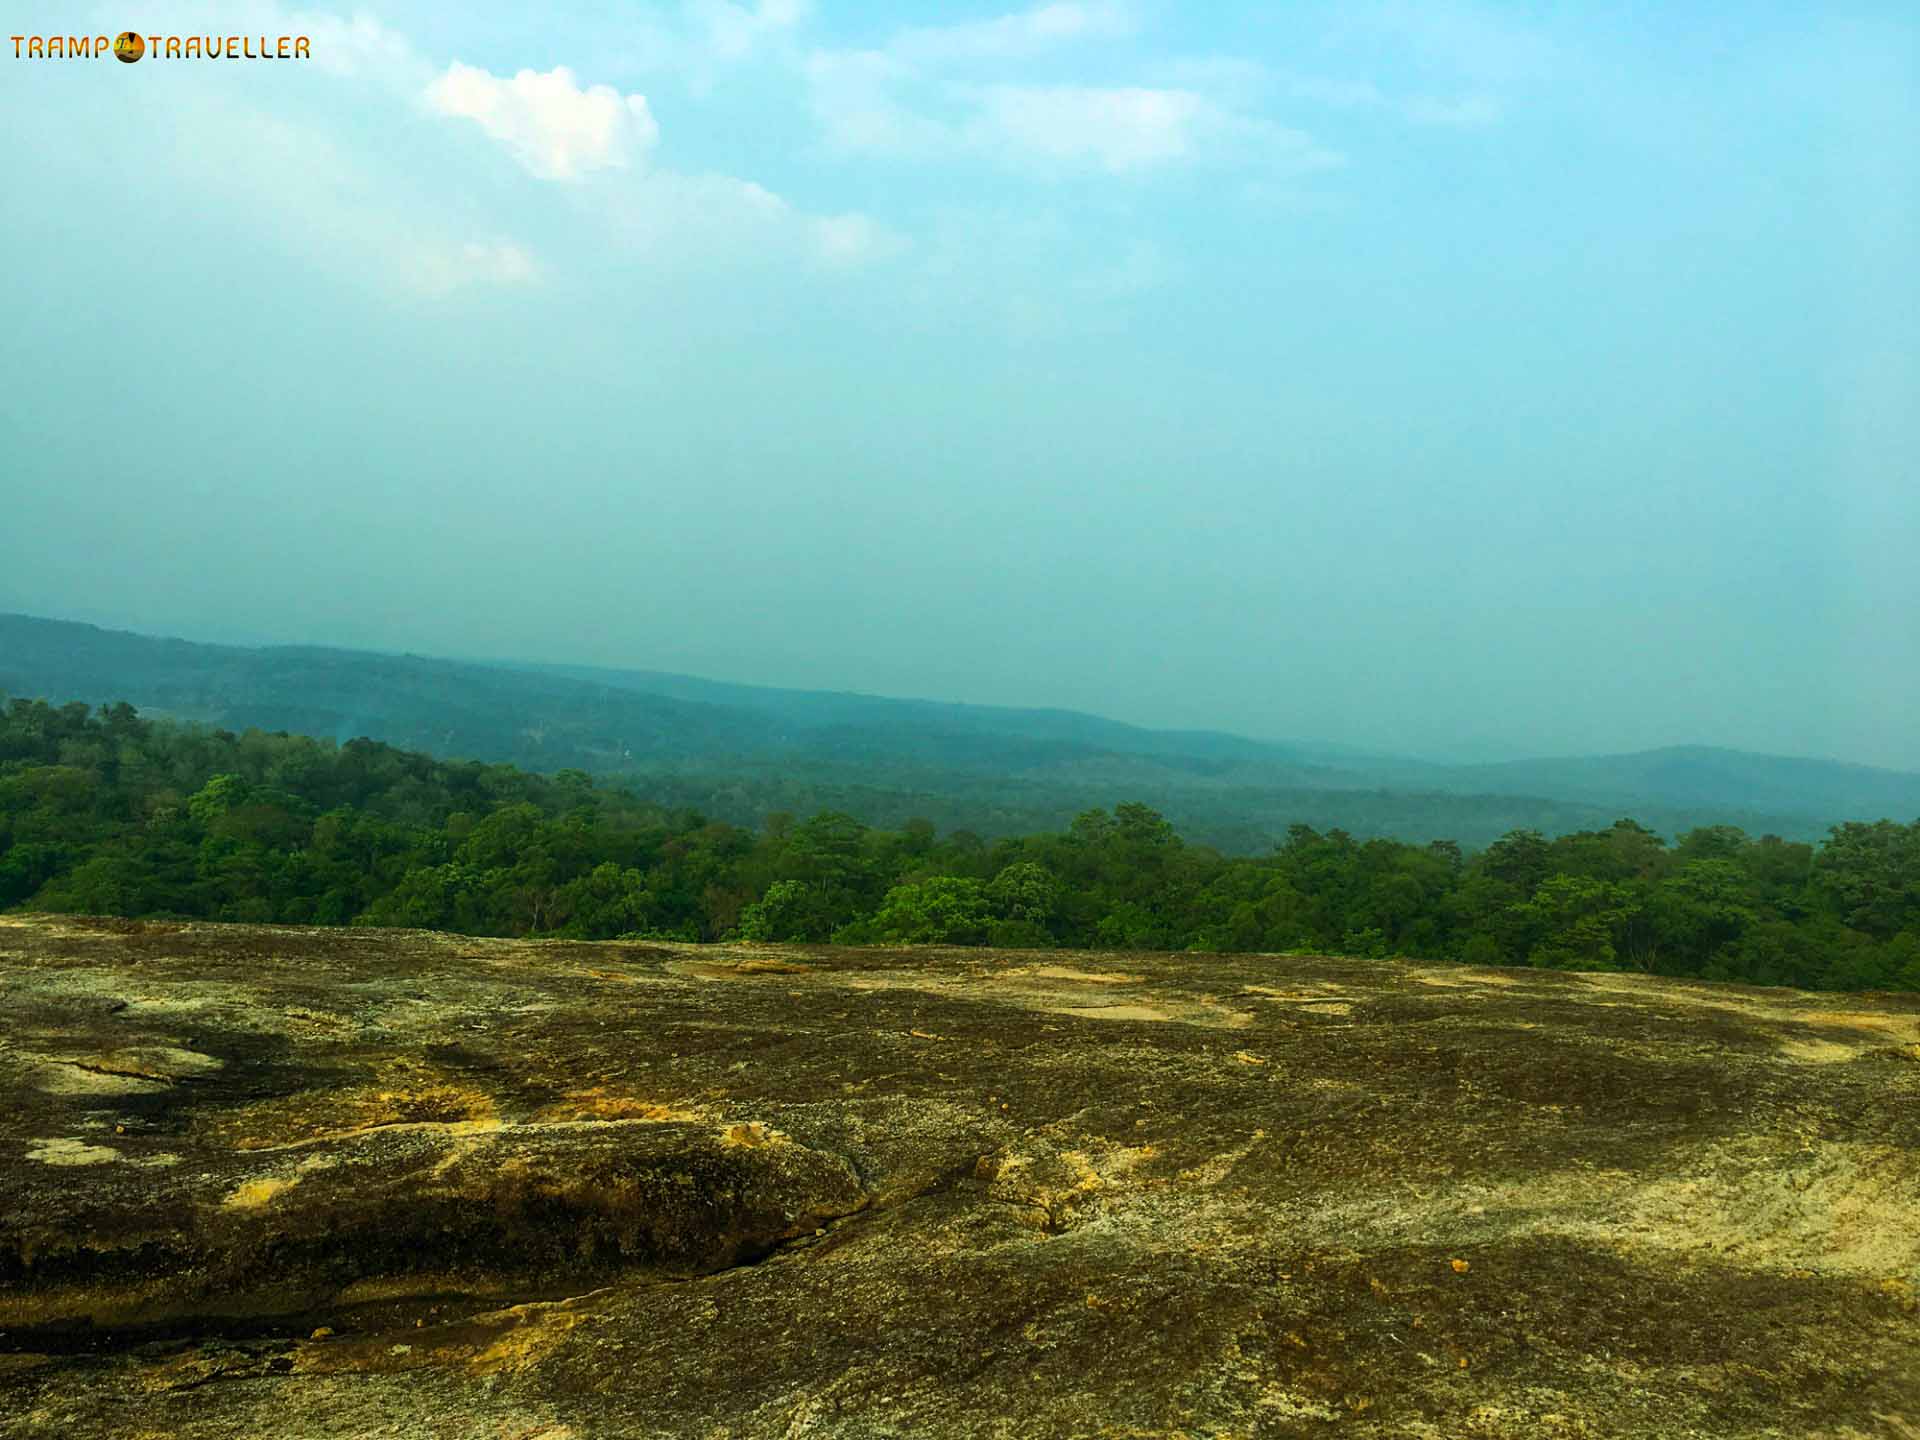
105,812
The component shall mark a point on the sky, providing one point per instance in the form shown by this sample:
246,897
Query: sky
1462,381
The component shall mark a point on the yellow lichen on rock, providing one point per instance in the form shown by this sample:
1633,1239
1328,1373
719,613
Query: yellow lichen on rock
596,1103
1087,977
1116,1012
70,1152
751,1134
59,1076
252,1194
414,1096
529,1330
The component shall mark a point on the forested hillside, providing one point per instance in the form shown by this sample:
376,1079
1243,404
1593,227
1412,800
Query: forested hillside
108,812
739,751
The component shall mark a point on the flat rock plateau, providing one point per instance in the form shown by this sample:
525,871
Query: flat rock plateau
287,1182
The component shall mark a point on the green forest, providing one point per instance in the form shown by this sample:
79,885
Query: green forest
739,752
106,812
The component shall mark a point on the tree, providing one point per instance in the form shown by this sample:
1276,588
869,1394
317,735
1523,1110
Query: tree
790,910
1869,876
945,910
1130,926
829,855
25,868
1711,842
1625,851
1700,910
603,904
215,798
107,812
1026,892
106,884
1518,859
1575,919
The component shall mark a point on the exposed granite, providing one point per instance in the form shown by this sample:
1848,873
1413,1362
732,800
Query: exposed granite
297,1183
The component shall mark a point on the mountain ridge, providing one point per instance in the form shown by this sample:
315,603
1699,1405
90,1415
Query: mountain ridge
731,747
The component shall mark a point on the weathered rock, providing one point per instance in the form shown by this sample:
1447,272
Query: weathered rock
332,1182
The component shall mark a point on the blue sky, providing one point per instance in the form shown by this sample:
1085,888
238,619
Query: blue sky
1449,379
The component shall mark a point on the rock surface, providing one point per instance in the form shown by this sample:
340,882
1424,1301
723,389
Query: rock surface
346,1182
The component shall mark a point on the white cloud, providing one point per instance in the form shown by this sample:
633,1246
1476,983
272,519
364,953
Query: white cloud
334,208
916,96
358,46
346,200
1014,37
843,241
1117,129
852,95
1487,44
1468,62
441,270
1228,79
1133,128
1472,111
554,128
669,220
731,31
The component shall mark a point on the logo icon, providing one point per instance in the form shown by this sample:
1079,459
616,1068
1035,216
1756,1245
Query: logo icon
128,47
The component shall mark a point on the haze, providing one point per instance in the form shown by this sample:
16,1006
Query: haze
1421,377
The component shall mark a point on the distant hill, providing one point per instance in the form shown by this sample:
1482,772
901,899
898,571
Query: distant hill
610,721
846,711
740,751
447,708
1702,775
